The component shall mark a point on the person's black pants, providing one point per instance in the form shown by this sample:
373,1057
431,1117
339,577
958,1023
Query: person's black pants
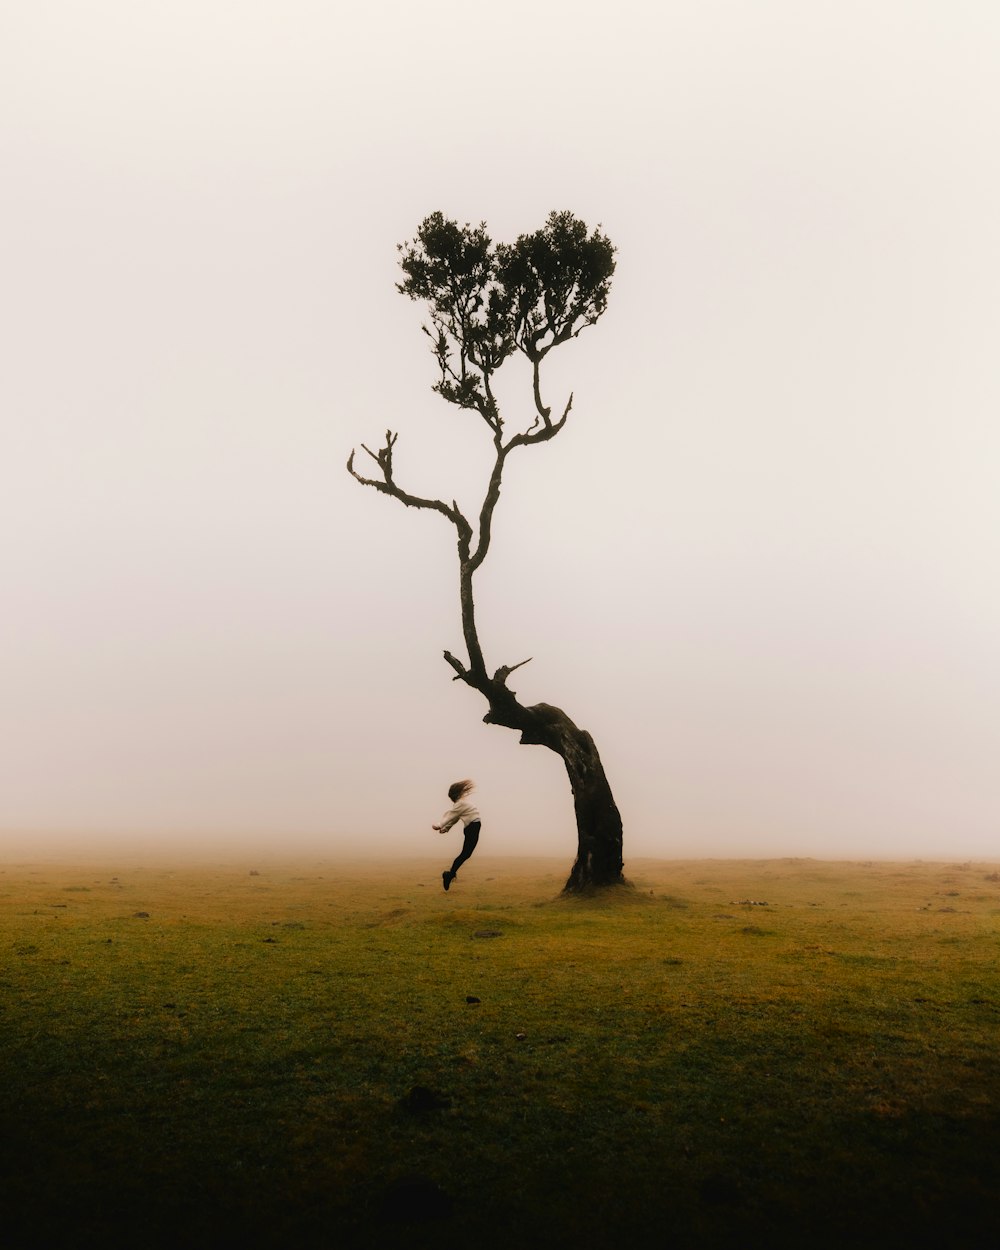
471,840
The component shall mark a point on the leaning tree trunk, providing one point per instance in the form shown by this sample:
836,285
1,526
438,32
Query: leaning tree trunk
598,822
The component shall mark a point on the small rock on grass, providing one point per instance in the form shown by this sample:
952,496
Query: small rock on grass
420,1098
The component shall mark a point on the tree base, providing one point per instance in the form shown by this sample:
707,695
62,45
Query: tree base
622,891
590,876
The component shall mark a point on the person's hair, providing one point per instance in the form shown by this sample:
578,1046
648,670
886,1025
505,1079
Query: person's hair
459,789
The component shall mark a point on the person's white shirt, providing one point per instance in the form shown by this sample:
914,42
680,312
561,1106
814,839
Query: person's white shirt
463,811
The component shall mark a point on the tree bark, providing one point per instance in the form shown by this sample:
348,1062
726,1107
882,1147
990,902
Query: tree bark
598,821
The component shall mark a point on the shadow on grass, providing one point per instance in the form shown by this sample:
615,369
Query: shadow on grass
914,1179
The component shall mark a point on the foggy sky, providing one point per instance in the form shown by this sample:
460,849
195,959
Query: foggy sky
760,564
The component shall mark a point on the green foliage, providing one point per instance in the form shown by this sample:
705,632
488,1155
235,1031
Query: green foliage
486,301
661,1066
557,281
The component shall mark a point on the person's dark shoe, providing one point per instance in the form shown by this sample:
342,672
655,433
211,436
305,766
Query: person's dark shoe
447,878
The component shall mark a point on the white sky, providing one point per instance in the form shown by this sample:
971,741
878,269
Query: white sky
761,562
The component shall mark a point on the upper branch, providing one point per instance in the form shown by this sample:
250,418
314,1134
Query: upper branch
540,433
489,503
535,434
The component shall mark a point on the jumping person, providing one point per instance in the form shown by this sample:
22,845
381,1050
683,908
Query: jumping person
469,816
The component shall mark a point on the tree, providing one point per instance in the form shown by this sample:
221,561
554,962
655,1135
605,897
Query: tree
488,302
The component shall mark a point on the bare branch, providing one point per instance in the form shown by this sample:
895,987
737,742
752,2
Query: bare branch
489,503
562,420
505,670
383,458
461,672
549,430
543,412
533,435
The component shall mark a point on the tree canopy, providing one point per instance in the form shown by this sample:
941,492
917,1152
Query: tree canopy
489,300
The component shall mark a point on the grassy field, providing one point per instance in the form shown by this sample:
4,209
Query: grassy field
784,1052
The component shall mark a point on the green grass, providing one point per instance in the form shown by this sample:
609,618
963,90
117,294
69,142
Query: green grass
670,1066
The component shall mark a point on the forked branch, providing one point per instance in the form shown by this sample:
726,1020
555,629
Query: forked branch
388,486
540,433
